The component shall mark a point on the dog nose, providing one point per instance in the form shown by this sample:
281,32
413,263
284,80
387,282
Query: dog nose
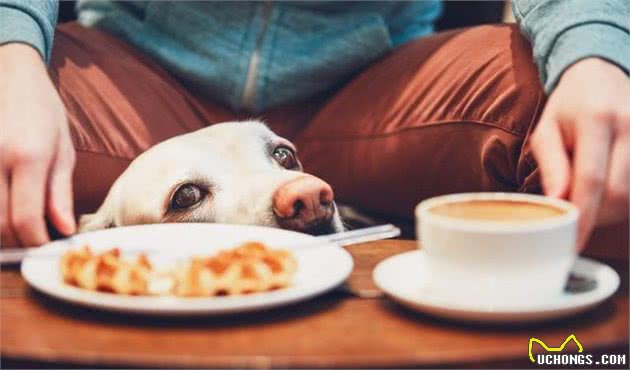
303,203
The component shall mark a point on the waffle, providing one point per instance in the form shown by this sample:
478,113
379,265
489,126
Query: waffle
249,268
106,271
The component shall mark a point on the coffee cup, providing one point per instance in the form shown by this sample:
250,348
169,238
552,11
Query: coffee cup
496,249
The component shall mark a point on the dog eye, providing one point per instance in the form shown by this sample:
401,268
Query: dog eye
186,196
285,157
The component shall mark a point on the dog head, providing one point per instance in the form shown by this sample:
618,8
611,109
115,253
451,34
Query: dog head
234,172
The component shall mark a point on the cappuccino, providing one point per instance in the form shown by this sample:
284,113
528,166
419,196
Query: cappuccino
497,249
497,210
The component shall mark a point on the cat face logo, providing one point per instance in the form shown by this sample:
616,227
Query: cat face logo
553,349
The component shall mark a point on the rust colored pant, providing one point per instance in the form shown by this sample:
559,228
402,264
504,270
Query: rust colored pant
447,113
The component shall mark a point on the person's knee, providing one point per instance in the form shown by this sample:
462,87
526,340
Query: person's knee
501,83
507,94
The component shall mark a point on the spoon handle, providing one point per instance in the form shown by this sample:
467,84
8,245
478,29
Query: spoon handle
363,235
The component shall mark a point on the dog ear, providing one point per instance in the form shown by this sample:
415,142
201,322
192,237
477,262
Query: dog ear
96,221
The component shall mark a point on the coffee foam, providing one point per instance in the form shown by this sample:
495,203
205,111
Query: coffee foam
497,210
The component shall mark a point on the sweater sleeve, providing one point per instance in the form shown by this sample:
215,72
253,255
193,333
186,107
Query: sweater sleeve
563,32
30,22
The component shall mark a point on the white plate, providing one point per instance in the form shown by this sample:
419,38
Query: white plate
401,278
320,268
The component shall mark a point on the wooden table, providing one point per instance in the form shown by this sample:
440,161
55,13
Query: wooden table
338,329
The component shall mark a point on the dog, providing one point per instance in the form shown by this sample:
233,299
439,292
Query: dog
232,172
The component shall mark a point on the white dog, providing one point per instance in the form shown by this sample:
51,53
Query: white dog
234,172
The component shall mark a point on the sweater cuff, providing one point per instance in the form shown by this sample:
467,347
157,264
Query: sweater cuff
587,40
18,26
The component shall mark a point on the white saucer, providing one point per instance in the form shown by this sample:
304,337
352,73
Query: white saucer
401,278
320,268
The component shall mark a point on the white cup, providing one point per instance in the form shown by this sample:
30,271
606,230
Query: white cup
497,263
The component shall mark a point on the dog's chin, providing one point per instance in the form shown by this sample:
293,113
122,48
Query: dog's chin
321,228
318,227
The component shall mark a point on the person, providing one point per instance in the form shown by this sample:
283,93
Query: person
383,108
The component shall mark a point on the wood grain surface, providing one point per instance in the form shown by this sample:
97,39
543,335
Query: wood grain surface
339,329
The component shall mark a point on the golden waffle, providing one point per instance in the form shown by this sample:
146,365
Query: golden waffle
249,268
106,271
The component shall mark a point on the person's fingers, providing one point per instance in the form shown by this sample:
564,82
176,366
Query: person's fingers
551,155
28,188
7,237
590,167
619,178
618,182
59,203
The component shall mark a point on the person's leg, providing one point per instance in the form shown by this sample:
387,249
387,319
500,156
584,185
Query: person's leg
118,104
447,113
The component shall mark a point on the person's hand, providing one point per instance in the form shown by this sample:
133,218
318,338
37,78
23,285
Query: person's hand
36,153
582,143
